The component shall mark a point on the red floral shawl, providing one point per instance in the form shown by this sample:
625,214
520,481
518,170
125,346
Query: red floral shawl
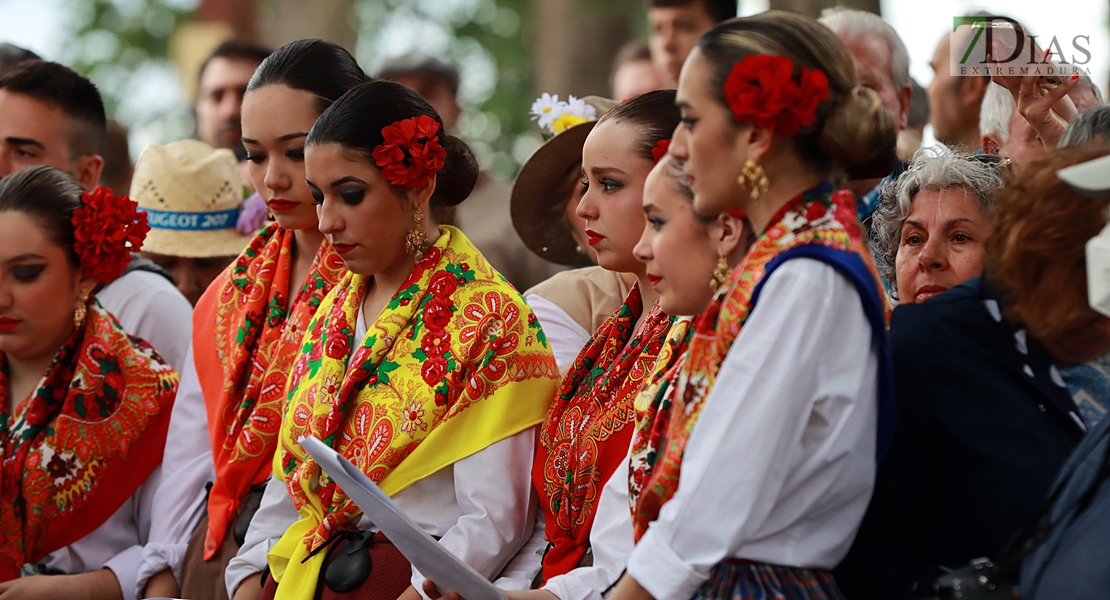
585,435
87,438
245,338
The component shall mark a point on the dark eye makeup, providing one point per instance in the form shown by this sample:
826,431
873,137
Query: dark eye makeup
27,273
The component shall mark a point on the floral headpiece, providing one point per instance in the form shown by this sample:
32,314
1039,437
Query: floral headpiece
761,90
410,154
660,150
555,116
106,230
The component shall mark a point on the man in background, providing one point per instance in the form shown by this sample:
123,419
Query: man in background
221,83
674,27
484,217
955,101
884,66
51,115
632,73
11,55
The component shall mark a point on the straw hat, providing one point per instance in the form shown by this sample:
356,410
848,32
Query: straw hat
191,193
538,199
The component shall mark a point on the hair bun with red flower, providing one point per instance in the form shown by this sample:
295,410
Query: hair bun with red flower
410,153
660,150
106,230
761,90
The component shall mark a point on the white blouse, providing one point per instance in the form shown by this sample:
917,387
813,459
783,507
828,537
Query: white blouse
187,468
781,464
482,508
116,545
148,306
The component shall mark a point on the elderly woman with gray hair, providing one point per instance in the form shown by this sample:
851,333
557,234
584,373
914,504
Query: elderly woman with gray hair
928,231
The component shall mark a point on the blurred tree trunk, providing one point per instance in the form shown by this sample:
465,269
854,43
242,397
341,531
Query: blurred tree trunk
284,21
813,8
573,44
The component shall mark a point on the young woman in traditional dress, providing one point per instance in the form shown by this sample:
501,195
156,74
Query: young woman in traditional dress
422,366
85,407
687,257
247,329
586,433
755,457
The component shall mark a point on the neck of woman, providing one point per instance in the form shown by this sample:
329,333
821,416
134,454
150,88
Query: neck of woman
648,296
305,244
24,376
789,176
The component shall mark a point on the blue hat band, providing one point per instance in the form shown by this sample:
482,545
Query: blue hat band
191,221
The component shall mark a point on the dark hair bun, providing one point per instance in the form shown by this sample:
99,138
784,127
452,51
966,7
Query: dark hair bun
857,129
456,179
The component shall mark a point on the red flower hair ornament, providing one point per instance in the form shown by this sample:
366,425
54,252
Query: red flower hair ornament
106,230
660,150
410,154
761,90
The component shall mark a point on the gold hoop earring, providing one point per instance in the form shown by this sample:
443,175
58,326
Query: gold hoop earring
416,241
81,310
754,177
720,274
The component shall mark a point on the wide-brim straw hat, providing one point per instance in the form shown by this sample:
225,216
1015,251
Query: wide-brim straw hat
192,194
539,195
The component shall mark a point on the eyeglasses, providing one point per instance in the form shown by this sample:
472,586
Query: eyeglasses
991,160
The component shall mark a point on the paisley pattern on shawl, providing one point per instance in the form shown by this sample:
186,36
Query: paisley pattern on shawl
455,362
245,340
670,405
585,435
83,442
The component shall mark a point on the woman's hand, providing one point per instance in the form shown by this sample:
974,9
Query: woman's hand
162,585
250,588
94,585
410,594
433,593
1042,101
629,589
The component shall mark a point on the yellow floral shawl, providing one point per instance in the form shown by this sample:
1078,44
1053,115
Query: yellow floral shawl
455,363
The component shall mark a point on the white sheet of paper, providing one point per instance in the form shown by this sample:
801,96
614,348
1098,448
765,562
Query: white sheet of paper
432,560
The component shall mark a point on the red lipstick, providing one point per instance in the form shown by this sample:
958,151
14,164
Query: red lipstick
7,324
342,249
654,280
282,205
594,236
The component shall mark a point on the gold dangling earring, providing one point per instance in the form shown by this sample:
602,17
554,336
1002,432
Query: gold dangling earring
754,177
81,310
416,241
720,274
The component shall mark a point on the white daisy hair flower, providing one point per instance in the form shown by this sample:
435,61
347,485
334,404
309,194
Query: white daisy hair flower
546,109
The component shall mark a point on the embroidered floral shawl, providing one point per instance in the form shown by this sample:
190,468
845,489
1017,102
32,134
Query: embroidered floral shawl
455,362
584,437
818,224
245,339
83,442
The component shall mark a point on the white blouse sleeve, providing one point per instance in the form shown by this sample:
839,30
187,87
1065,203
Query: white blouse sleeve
780,466
275,514
564,334
125,565
187,468
496,503
610,542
